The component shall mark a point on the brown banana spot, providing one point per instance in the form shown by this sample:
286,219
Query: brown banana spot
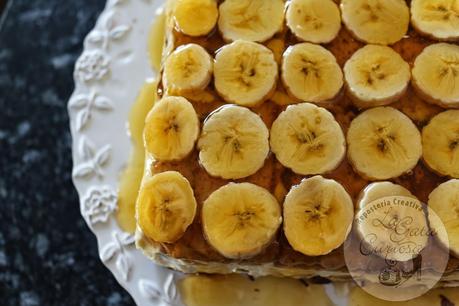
453,144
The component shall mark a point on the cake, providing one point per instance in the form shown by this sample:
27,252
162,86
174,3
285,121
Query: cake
275,122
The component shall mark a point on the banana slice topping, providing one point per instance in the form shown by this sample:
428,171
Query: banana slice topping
383,143
376,75
252,20
318,216
240,220
245,73
186,69
307,139
171,129
310,73
234,143
436,74
316,21
381,22
444,201
438,19
380,237
195,17
165,206
440,143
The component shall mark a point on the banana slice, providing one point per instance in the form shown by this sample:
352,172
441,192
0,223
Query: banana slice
186,69
307,139
171,129
438,19
382,22
376,75
444,201
383,143
318,216
311,73
369,230
252,20
234,143
245,73
440,142
240,220
436,74
165,206
316,21
195,17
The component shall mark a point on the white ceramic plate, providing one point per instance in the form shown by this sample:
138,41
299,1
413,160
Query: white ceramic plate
108,76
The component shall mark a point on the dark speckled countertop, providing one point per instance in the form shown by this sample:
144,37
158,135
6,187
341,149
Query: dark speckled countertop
48,256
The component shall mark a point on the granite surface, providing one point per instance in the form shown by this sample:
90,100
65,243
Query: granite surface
48,256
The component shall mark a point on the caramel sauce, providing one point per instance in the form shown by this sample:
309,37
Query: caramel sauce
133,173
156,41
435,297
238,290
